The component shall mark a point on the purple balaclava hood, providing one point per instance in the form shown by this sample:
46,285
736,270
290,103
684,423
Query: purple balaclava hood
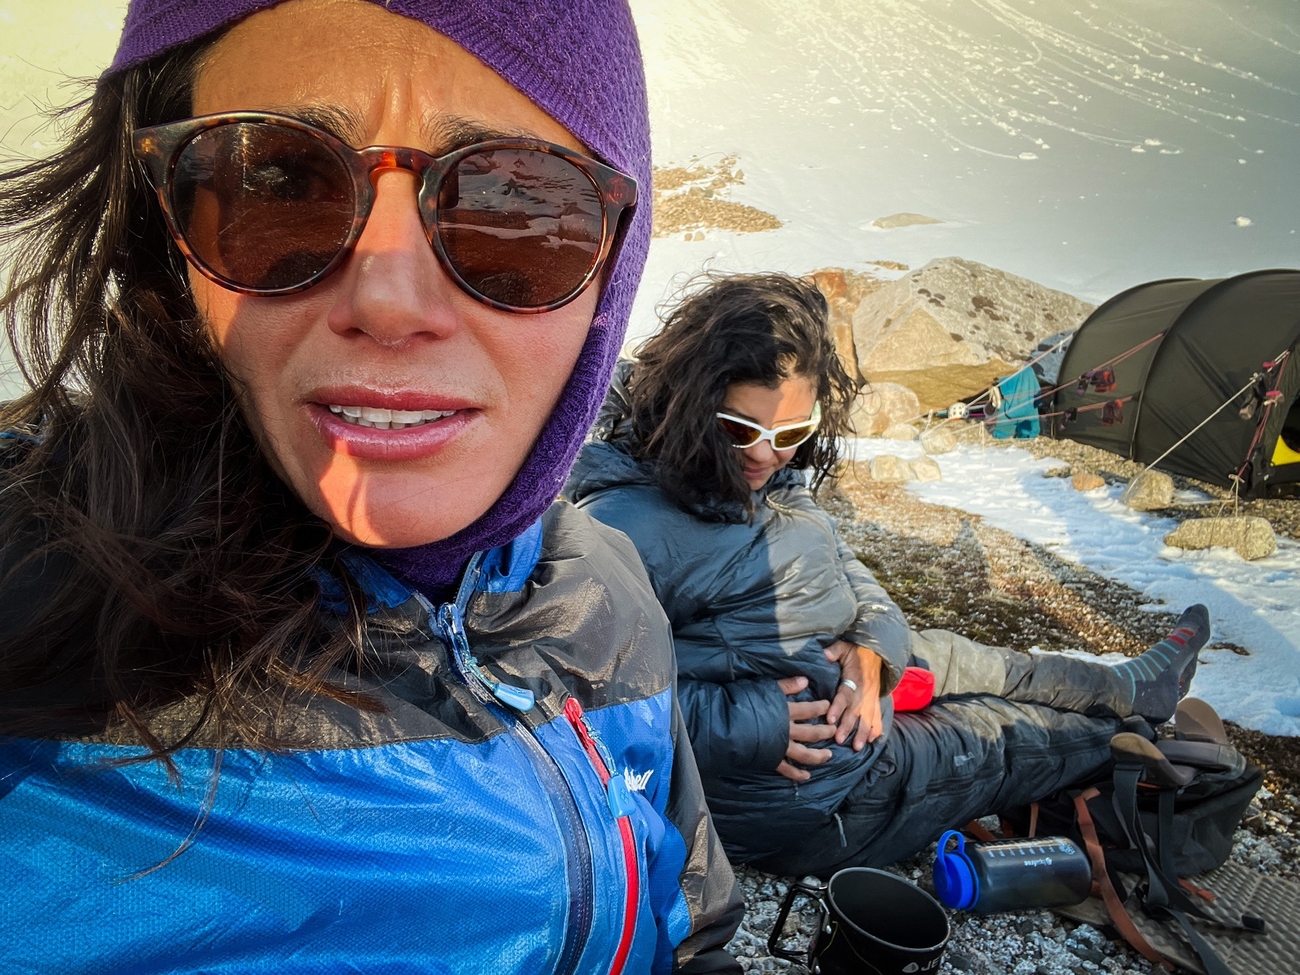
579,61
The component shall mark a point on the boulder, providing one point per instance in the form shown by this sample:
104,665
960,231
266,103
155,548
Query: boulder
1087,481
976,433
900,431
926,469
881,405
1251,538
888,468
955,312
938,440
844,290
1149,491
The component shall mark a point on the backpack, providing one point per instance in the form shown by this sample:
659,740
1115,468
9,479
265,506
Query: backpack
1166,811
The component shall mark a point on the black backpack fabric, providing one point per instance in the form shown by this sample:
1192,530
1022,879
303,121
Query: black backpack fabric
1205,814
1165,810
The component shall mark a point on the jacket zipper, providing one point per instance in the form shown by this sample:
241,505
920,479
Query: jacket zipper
450,619
621,805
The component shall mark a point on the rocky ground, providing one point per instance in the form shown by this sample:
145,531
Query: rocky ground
949,569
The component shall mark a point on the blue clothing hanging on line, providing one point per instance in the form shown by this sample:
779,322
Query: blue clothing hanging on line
1019,414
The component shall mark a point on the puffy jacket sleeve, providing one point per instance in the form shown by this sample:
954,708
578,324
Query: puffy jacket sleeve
711,893
743,724
880,624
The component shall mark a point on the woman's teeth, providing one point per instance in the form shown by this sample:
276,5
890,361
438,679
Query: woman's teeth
382,419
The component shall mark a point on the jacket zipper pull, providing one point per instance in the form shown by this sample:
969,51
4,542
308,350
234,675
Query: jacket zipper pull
619,797
617,794
452,623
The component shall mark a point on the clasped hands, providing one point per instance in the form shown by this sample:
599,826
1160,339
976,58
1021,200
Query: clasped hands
853,713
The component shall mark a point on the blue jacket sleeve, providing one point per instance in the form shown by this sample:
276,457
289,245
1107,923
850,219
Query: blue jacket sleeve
740,724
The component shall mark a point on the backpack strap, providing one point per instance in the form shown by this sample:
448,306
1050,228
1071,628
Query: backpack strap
978,830
1110,897
1137,761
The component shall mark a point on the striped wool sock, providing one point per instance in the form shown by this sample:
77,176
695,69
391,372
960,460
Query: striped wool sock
1160,677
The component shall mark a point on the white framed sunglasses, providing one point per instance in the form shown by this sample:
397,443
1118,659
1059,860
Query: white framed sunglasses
746,433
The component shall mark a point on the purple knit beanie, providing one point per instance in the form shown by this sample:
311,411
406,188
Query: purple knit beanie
579,61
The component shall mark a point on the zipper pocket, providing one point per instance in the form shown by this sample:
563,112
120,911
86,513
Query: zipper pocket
621,805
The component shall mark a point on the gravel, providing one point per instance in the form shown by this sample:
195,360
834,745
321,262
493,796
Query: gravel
950,569
1029,943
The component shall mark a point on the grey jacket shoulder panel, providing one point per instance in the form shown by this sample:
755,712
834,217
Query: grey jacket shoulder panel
586,614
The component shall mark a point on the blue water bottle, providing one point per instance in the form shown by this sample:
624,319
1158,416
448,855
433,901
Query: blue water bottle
1010,875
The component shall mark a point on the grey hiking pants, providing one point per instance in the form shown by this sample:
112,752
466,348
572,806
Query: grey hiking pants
1006,729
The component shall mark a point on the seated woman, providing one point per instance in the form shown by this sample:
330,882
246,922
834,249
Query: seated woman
787,649
301,670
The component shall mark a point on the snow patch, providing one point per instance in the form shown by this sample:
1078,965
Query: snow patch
1255,605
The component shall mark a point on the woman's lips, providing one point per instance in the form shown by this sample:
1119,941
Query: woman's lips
409,443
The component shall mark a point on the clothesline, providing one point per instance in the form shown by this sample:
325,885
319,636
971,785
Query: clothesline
1102,365
977,400
1073,409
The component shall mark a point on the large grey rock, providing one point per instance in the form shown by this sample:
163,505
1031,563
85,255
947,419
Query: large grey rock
888,468
926,469
1149,491
938,440
1251,538
881,405
954,312
899,431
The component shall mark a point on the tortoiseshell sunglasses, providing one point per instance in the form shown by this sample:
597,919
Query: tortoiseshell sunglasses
266,204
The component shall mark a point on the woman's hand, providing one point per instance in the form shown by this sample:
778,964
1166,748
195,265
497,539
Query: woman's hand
800,712
856,712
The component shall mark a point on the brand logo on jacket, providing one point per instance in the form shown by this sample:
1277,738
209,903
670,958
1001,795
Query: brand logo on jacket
636,781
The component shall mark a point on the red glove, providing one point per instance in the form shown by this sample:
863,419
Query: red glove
914,691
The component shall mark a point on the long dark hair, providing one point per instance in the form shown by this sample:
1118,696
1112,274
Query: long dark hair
751,328
158,556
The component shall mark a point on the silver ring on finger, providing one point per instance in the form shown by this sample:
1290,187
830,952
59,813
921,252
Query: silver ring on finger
849,684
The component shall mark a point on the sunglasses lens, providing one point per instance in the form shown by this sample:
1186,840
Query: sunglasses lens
793,436
520,226
739,434
262,206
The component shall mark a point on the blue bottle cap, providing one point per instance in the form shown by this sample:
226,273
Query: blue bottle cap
954,875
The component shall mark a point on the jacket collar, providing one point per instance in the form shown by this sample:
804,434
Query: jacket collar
499,570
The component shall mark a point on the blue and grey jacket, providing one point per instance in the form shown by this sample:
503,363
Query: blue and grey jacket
519,805
750,602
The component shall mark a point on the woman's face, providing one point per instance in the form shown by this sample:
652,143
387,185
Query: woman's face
388,329
791,402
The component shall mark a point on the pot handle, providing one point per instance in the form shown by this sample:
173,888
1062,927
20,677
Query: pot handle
817,893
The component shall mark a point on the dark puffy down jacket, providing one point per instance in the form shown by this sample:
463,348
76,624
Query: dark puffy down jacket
749,603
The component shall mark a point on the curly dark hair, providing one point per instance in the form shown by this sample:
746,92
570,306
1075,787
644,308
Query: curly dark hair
740,328
148,553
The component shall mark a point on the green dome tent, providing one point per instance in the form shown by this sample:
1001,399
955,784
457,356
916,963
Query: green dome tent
1155,361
